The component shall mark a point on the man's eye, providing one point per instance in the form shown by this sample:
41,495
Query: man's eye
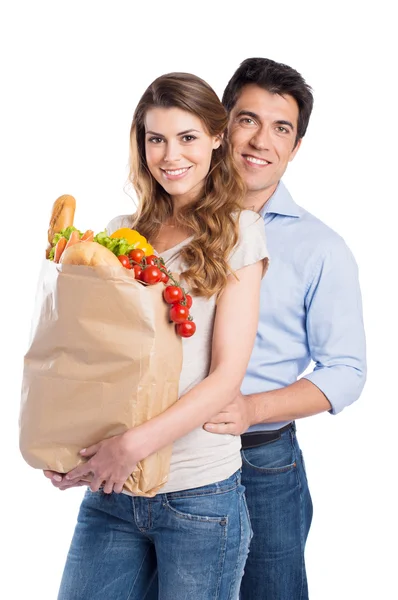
155,140
188,138
282,129
246,121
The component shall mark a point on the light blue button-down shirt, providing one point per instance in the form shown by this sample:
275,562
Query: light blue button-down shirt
311,309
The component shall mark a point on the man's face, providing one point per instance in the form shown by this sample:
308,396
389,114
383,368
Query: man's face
262,131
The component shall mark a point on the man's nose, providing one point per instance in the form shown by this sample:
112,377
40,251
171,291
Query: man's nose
261,139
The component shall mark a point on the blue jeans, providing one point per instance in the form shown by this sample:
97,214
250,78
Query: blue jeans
196,540
280,509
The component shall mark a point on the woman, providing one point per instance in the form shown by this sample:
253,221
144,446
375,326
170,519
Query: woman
196,532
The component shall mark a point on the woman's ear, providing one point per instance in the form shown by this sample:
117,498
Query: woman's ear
217,141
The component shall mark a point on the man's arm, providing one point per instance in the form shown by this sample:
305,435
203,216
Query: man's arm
336,341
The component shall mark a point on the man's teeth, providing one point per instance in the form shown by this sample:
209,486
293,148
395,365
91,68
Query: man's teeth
256,161
177,171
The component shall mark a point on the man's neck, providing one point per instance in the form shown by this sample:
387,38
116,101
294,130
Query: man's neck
256,199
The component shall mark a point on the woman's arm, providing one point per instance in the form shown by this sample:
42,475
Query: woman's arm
234,333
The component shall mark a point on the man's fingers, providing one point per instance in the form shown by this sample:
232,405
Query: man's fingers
222,417
220,427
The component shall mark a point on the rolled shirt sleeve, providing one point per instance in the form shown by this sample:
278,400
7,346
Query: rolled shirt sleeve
335,327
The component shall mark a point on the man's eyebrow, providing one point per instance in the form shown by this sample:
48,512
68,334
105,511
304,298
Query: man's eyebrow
252,115
248,113
288,123
181,132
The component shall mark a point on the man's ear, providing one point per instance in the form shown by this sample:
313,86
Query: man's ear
295,149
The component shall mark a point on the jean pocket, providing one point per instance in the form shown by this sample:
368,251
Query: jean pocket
213,507
247,515
200,512
278,457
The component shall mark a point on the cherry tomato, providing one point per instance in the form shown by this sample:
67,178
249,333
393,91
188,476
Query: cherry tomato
137,271
172,294
165,277
188,299
151,275
137,255
151,260
125,261
179,313
186,329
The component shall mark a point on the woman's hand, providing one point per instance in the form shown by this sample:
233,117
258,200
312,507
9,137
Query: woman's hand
58,480
110,464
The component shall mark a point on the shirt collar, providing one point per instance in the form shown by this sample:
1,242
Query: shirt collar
281,203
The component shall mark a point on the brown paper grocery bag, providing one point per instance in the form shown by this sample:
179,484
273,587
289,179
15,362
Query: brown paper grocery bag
102,358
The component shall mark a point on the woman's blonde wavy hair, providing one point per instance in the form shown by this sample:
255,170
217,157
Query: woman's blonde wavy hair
213,218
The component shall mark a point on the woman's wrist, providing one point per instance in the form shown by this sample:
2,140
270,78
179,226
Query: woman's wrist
138,442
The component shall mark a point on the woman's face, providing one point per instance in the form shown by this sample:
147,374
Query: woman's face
178,151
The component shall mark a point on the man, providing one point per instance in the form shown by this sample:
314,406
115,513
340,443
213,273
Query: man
310,310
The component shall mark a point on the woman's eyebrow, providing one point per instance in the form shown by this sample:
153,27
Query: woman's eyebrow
181,132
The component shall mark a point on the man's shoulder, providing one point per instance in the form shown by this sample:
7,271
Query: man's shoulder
317,233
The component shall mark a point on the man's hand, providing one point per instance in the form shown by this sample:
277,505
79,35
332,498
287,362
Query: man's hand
236,418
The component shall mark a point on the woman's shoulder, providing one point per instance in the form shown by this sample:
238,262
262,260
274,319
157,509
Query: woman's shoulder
250,221
119,222
251,245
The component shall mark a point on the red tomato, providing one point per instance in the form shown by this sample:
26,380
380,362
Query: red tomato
137,255
186,329
188,298
172,294
165,277
137,271
151,260
125,261
151,275
179,313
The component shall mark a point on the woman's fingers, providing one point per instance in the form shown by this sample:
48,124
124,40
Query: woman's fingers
108,487
96,484
118,488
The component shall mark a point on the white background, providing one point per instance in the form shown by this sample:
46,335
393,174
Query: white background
71,75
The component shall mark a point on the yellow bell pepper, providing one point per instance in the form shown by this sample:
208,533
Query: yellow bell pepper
133,237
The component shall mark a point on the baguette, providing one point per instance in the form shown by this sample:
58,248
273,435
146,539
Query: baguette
62,215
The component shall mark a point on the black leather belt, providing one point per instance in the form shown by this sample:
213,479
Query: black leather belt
252,439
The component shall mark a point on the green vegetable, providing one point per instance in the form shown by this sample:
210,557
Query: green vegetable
116,245
66,233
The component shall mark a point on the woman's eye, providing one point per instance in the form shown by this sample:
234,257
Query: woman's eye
155,140
188,138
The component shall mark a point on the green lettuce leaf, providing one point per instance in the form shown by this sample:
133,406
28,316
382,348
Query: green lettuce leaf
116,245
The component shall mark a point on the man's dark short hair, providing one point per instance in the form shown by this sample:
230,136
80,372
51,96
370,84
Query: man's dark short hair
276,78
